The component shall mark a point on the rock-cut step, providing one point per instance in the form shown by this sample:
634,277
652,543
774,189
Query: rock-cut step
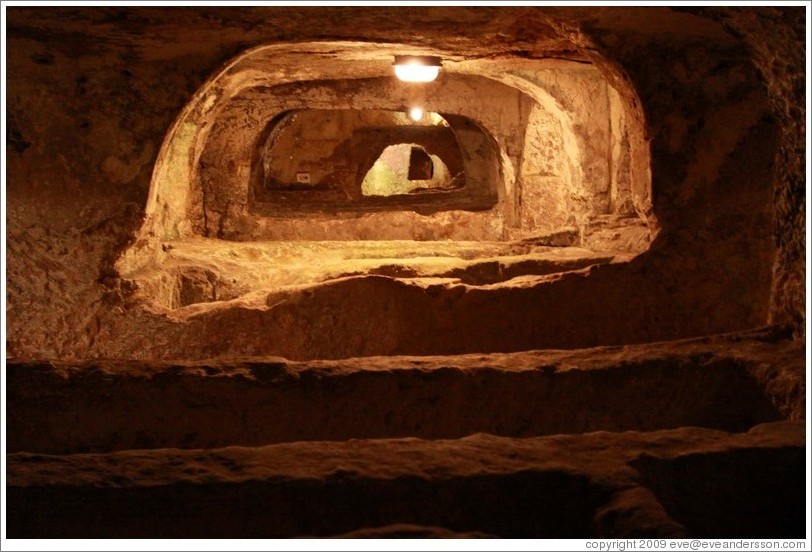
729,383
566,486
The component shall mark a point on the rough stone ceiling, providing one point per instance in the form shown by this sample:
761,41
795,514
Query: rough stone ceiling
341,60
481,31
532,31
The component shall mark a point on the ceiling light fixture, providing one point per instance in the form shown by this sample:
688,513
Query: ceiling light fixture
417,68
416,114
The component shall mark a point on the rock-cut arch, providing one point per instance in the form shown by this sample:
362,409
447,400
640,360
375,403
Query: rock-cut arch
176,194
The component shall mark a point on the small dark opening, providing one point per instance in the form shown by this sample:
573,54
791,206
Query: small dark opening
421,166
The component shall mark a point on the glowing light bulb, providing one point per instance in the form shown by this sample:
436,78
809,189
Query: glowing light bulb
416,73
417,68
416,113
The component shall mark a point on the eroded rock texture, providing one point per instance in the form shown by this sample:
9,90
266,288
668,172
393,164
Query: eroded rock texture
772,36
593,290
88,124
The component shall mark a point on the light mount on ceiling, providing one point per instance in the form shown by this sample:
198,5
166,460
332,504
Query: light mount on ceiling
416,113
417,68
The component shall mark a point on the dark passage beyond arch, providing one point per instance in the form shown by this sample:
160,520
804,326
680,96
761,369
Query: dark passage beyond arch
315,159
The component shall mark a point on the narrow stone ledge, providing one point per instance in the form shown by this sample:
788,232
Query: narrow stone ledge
728,383
596,484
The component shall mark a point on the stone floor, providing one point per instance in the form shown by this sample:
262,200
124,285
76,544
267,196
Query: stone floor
701,438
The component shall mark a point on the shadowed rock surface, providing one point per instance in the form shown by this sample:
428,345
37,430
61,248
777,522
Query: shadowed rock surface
545,487
727,383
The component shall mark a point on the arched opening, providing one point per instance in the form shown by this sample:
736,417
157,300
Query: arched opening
266,182
202,182
407,169
312,160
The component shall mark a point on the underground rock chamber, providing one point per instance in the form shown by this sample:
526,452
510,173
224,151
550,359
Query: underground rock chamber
286,194
499,320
